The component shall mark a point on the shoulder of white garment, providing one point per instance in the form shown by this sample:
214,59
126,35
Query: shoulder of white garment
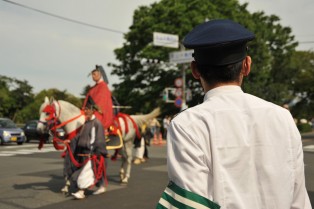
178,114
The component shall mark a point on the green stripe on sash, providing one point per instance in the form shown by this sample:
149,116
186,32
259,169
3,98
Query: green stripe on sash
160,206
174,202
183,199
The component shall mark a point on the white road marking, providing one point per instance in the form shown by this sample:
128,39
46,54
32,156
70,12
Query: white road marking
308,148
31,150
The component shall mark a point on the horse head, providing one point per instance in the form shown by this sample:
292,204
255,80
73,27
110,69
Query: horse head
58,113
47,115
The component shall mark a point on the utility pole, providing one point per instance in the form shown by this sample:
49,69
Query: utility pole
183,106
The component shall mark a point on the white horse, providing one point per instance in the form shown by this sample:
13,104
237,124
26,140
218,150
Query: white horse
72,119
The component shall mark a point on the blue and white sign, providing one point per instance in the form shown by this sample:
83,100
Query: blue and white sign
166,40
181,56
178,102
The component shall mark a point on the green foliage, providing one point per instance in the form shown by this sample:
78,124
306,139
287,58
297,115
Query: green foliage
302,64
304,127
142,85
20,104
31,111
14,95
279,73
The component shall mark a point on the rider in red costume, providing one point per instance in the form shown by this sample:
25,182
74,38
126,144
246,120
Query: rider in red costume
101,95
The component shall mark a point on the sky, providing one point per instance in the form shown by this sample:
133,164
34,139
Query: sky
50,52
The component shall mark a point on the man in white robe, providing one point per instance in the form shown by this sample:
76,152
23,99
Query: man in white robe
234,150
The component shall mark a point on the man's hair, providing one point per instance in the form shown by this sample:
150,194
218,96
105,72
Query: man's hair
220,74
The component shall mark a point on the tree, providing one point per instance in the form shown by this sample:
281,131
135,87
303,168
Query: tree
302,64
14,96
142,86
31,111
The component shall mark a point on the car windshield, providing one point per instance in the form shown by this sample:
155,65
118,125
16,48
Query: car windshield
7,123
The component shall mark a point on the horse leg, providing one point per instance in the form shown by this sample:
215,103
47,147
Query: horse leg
123,161
65,189
122,173
128,151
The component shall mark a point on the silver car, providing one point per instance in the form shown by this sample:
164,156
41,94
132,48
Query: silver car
9,132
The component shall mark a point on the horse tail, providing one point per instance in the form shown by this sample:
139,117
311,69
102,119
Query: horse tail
142,119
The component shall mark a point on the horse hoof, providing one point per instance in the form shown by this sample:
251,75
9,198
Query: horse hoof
65,190
122,176
124,181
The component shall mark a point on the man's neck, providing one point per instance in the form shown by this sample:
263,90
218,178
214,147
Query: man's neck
92,117
99,81
210,87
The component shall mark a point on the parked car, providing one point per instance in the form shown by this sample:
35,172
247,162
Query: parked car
31,133
9,132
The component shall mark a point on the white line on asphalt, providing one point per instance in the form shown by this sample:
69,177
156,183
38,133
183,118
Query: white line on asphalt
25,145
6,155
27,151
308,148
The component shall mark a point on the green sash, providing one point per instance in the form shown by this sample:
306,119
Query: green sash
175,197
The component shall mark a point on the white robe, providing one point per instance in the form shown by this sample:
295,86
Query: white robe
238,151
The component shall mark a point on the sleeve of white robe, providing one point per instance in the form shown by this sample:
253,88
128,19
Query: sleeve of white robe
187,166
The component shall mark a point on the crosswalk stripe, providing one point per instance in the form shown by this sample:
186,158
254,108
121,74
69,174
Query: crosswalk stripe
7,153
308,148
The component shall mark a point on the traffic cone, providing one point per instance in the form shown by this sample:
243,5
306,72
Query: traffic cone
160,139
155,141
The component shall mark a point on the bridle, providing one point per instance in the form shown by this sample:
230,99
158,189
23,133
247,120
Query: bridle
52,118
52,121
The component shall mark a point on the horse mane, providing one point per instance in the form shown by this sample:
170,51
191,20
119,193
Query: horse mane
142,119
71,107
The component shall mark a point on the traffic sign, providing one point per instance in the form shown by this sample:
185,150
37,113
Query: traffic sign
166,40
178,82
169,95
178,102
178,92
181,56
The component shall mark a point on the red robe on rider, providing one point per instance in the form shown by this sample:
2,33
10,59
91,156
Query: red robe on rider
101,95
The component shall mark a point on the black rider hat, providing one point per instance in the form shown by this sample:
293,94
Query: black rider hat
218,42
90,104
102,71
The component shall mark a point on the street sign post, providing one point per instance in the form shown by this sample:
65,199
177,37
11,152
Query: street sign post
181,57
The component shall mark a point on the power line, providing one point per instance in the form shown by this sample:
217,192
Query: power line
64,18
87,24
306,42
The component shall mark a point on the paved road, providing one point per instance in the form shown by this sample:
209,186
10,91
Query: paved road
34,180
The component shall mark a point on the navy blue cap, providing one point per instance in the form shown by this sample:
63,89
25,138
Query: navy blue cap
218,42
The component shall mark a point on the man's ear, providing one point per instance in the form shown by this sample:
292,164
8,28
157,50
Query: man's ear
246,66
196,74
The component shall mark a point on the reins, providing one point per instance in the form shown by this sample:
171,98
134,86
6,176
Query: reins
51,110
53,116
99,169
68,121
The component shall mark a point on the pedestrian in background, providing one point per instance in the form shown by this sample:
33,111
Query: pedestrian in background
141,150
165,124
234,150
155,130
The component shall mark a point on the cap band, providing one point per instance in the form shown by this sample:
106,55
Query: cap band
220,55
